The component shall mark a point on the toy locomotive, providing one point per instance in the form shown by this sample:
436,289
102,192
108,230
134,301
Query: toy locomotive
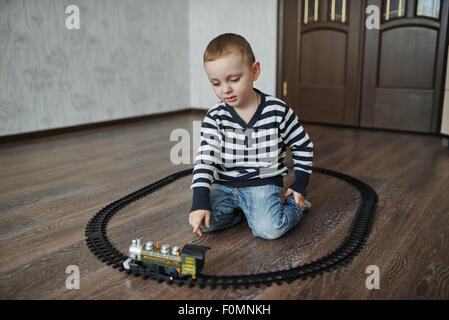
154,258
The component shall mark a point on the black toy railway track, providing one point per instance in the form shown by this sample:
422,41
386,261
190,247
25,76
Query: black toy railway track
353,243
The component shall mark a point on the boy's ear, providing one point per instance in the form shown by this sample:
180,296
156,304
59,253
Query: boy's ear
255,70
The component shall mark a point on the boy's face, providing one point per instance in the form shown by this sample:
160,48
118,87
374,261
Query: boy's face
232,79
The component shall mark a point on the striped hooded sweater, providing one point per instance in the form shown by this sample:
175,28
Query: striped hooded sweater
233,152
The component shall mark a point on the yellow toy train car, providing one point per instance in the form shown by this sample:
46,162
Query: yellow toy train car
154,258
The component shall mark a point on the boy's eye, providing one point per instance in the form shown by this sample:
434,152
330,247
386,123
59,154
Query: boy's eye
235,80
215,84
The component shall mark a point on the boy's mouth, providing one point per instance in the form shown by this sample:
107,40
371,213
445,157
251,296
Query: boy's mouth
231,99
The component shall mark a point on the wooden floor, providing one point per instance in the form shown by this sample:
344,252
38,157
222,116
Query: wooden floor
51,187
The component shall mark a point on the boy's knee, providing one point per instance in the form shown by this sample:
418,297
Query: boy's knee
274,226
267,231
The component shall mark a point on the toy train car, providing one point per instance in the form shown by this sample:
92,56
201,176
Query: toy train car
154,258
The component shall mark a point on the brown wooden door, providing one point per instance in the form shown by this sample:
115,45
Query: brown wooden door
325,49
319,70
403,66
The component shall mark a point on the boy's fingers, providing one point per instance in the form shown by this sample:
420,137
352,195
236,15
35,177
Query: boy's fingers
299,201
207,220
197,227
195,222
301,205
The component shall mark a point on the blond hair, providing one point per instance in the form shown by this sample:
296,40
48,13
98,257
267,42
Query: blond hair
228,43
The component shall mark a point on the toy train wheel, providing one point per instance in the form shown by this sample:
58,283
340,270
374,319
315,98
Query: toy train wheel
173,274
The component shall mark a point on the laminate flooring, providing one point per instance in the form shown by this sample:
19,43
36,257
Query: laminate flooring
51,187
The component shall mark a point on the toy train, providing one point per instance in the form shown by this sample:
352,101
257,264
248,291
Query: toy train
154,258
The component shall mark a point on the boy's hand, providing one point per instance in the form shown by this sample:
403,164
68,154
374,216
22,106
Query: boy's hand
299,198
195,218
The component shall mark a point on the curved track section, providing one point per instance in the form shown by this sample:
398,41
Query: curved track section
353,243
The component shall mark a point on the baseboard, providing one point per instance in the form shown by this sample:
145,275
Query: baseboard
445,141
372,129
77,128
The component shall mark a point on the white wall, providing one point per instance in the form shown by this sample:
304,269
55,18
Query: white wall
256,20
129,58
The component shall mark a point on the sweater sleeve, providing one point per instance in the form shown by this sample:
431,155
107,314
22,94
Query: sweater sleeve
295,137
208,158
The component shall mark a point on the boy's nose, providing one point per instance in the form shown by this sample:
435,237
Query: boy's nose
227,89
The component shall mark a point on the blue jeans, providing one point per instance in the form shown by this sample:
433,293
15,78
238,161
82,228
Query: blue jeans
268,216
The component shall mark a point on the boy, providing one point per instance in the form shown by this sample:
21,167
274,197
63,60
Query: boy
234,175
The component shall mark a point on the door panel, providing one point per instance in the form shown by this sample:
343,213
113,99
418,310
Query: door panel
402,63
403,109
320,104
321,92
326,49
